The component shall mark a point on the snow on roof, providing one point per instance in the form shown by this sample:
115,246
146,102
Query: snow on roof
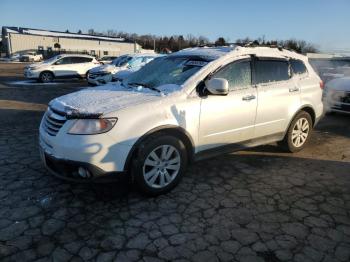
61,34
213,53
210,53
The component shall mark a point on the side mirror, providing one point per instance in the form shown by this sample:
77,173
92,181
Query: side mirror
217,86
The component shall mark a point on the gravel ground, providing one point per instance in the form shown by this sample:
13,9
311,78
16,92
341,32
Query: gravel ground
255,205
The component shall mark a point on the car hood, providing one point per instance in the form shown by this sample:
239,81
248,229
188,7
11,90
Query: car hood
94,102
105,68
339,84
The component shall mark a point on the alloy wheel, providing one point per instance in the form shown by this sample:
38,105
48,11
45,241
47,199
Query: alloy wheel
300,132
161,166
46,77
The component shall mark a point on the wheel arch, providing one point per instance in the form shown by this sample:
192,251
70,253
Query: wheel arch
309,109
47,71
176,131
306,108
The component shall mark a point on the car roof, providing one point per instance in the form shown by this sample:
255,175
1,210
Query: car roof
144,55
214,53
75,55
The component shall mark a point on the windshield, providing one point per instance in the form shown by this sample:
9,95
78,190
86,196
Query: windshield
121,61
166,70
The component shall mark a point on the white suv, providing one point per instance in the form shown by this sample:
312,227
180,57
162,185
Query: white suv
183,107
61,66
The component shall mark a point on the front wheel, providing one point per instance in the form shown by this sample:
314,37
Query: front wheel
46,77
160,164
298,133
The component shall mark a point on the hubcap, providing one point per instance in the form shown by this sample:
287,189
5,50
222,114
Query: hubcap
300,132
161,166
46,77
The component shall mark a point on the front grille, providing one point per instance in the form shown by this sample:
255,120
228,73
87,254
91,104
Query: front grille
97,74
53,121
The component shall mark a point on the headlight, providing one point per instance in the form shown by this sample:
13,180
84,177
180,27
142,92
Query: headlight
92,126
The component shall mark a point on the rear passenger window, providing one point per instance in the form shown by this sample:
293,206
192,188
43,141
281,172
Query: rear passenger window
298,66
78,60
271,71
238,74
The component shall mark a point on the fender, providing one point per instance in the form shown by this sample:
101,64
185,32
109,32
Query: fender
309,109
185,137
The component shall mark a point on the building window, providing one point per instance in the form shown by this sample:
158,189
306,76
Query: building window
92,52
49,49
105,52
40,48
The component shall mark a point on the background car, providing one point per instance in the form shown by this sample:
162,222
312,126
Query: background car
61,66
31,57
336,95
107,59
107,73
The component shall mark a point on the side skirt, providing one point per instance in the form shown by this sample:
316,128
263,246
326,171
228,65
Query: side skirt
229,148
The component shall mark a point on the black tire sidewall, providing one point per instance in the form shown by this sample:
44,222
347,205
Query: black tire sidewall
290,145
41,80
143,151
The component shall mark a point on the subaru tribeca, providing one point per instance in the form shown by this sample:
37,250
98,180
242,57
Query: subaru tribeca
183,107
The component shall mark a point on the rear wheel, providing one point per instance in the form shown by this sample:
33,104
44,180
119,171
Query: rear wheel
46,77
160,164
298,133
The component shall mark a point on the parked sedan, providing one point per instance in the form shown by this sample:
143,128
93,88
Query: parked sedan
336,95
107,59
107,73
61,66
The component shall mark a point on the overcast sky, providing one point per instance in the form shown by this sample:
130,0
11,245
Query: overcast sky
324,23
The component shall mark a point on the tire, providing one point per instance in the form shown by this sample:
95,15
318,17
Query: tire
164,170
298,133
46,77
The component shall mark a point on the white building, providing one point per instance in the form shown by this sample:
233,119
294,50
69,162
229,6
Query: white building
19,40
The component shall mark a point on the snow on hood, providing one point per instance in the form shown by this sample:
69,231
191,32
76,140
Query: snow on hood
341,84
105,99
104,68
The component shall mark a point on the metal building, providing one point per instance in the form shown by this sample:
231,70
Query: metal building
20,40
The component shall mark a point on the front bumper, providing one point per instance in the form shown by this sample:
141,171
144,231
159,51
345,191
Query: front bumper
31,74
337,101
100,154
69,170
99,79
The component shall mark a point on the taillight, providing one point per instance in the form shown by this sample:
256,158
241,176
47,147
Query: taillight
321,84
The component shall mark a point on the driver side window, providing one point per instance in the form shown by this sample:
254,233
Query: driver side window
238,74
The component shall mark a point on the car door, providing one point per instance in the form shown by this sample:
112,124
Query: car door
63,67
229,119
278,96
81,65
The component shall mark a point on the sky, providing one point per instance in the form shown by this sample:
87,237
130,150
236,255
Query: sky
325,23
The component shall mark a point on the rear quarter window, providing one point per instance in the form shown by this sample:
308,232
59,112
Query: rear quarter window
267,71
298,67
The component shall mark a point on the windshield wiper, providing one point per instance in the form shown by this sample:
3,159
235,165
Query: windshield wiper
145,85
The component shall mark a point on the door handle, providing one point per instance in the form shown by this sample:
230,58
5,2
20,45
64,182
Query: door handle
294,89
248,97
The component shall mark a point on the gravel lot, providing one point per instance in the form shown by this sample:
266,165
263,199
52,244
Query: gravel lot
255,205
